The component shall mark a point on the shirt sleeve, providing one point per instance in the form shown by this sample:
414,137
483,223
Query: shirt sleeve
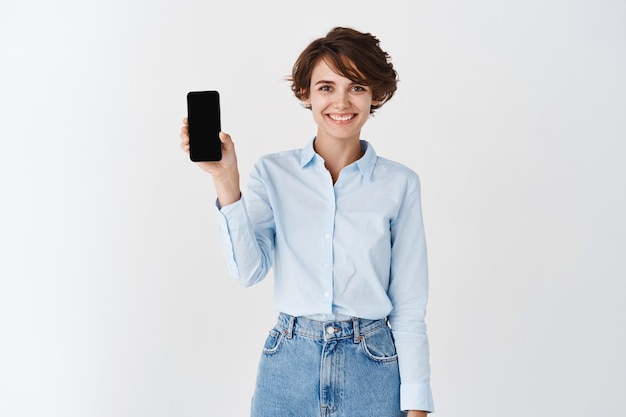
246,232
408,292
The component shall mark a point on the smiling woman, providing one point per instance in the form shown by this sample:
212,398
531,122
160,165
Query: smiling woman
114,299
345,310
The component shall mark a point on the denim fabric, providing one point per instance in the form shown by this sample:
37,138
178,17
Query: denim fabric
311,368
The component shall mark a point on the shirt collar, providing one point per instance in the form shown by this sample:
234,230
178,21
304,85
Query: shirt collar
368,160
308,153
365,164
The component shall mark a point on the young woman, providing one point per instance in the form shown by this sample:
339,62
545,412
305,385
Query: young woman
343,229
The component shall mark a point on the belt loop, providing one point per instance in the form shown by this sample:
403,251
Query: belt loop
355,328
292,321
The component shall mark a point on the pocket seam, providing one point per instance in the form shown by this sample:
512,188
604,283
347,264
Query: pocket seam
279,336
382,359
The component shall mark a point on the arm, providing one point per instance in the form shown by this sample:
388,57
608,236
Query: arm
408,292
247,239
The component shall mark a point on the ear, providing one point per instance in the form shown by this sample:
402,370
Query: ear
375,105
377,100
305,98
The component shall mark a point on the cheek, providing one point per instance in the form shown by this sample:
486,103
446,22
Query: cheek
317,102
365,104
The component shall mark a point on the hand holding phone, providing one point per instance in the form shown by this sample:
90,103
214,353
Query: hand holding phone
217,157
203,113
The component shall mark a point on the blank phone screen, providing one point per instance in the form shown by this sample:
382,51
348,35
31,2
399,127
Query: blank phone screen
203,111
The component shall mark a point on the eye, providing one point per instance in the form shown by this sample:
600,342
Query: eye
325,88
359,89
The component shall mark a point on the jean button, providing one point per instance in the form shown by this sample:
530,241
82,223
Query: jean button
330,330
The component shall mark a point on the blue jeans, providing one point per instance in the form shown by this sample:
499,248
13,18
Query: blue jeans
311,368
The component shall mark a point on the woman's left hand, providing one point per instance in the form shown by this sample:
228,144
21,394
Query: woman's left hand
414,413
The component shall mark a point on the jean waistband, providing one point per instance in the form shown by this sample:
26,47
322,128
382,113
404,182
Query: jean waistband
328,330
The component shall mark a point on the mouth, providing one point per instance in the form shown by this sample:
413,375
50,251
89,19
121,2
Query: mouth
341,117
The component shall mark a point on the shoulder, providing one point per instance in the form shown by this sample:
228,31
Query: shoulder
389,170
278,162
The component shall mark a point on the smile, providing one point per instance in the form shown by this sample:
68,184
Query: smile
341,117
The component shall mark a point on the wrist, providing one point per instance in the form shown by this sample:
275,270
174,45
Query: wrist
227,185
227,197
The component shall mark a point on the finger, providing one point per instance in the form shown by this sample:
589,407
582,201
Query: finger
184,137
224,137
186,121
227,141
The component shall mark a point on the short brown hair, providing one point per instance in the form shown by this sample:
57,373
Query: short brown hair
354,55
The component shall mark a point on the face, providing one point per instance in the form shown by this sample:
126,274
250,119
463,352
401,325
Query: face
340,107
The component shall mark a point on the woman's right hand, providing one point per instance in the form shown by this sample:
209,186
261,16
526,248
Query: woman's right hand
224,172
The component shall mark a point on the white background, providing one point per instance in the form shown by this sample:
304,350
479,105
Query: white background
114,297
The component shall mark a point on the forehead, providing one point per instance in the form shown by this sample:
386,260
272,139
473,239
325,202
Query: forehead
325,69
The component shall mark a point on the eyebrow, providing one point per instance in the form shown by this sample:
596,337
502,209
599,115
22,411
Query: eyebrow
332,82
324,82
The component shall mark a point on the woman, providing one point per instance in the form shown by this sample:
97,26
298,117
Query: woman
343,229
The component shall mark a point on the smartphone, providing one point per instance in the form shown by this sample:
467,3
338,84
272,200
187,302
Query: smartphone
203,113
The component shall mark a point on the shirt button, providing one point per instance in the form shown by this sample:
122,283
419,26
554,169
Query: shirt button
330,330
326,294
326,235
326,266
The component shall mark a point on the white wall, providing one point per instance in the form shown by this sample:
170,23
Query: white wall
114,298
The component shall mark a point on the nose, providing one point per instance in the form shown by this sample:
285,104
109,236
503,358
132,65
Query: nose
341,100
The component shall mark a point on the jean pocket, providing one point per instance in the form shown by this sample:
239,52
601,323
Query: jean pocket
378,345
273,342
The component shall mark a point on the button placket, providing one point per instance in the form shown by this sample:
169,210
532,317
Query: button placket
326,236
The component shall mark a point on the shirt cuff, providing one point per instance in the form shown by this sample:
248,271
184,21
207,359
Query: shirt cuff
232,216
416,397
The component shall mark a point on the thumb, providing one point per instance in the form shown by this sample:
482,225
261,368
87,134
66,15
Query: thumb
227,141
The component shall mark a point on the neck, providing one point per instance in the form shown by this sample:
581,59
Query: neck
338,154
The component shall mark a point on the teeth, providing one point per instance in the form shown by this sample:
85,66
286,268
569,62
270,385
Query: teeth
341,118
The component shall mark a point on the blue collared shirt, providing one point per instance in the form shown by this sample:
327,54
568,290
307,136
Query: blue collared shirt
355,248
